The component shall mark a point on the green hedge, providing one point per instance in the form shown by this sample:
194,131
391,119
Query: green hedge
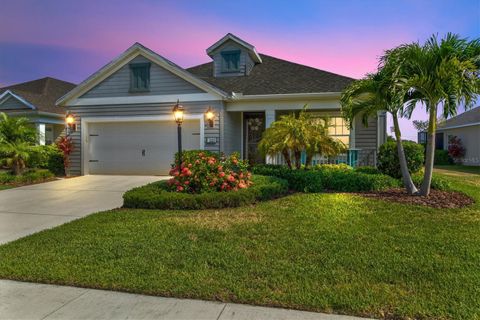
47,157
368,170
388,162
328,178
157,196
28,177
438,182
442,157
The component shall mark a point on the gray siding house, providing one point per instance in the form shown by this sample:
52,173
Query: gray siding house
124,115
36,100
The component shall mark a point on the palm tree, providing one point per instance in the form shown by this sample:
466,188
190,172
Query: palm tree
280,138
291,135
378,92
439,73
317,139
17,138
15,154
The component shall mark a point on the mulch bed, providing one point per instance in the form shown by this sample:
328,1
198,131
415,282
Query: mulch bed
437,199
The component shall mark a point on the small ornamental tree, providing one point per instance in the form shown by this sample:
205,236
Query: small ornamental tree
203,171
456,149
65,144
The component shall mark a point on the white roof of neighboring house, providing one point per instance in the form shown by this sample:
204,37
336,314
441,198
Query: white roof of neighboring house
466,119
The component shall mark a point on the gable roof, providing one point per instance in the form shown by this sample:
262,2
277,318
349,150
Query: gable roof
231,37
468,118
128,55
275,76
40,94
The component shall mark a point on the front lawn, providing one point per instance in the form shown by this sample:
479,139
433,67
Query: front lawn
322,252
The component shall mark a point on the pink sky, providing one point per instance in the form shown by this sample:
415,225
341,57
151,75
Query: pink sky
71,39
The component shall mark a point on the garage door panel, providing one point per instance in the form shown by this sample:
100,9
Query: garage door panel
137,148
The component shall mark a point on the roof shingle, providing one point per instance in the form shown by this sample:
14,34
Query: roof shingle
275,76
42,93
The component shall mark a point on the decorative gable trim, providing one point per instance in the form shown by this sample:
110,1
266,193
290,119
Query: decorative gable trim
132,52
7,94
250,48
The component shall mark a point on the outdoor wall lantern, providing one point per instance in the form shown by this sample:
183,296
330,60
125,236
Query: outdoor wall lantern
71,126
210,116
178,113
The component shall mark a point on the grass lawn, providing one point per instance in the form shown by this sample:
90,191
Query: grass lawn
3,187
322,252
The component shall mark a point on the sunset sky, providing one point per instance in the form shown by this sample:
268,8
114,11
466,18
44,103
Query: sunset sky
70,40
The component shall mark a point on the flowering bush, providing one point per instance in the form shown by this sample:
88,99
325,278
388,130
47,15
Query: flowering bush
203,171
455,148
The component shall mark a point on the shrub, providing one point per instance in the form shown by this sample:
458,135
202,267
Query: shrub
298,180
47,157
27,177
438,182
340,166
208,172
158,195
442,157
455,148
66,146
368,170
329,177
389,164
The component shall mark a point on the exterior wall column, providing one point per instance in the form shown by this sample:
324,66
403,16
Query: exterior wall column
41,133
269,119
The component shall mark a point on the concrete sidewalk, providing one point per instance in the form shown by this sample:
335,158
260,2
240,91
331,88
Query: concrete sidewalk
21,300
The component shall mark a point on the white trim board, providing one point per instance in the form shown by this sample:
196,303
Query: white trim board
192,97
86,120
459,126
3,98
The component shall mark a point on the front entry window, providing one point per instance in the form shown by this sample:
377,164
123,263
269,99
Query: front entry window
253,128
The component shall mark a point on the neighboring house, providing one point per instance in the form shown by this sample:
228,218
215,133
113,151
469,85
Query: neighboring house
35,100
465,126
124,111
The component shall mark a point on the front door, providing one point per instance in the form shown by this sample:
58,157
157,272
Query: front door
253,127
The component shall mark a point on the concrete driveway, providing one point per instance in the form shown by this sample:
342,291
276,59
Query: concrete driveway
30,209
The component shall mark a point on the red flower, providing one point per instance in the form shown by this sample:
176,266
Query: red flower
221,174
179,188
231,178
187,182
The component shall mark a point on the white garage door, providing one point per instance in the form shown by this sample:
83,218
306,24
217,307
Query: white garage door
137,148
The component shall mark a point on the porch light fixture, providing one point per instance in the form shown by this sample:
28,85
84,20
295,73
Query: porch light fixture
178,113
70,124
210,116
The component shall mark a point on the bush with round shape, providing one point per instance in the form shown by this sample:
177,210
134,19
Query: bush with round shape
442,158
368,170
47,157
388,162
158,195
208,172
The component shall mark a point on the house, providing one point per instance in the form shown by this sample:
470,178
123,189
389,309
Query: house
35,100
465,126
124,115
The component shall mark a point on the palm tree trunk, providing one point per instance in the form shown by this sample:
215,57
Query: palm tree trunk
17,169
407,179
298,157
286,156
308,160
432,126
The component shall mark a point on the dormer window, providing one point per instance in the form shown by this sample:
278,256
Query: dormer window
231,61
139,77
